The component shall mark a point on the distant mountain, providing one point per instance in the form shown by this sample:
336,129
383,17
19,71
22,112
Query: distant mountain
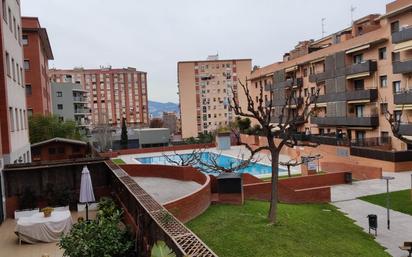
156,109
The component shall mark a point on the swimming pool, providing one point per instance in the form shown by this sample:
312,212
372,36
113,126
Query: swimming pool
256,169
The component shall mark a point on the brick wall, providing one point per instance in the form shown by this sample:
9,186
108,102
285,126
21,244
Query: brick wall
188,206
359,172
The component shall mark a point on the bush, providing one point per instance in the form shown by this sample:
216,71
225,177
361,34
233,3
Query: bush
103,237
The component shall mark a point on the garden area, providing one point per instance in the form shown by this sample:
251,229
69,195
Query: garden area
400,201
303,230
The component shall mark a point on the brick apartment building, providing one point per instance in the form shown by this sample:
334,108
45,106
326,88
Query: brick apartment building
360,71
112,93
13,114
37,53
205,90
170,121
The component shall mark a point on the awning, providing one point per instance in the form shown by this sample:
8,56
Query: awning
319,105
360,128
293,68
317,60
403,46
358,75
358,48
403,107
358,101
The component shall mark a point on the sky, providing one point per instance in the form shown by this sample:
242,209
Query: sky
153,35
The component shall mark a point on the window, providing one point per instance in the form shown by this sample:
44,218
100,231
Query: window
25,40
17,119
305,72
360,135
358,58
359,84
382,53
13,69
75,149
396,86
28,90
60,107
21,119
26,64
383,81
14,27
4,10
25,119
60,150
395,26
17,73
359,110
11,114
59,94
396,57
30,112
10,22
384,108
8,63
52,150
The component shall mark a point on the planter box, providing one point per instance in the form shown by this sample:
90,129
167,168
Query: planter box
25,213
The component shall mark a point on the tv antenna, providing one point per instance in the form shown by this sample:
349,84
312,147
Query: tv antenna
352,11
323,27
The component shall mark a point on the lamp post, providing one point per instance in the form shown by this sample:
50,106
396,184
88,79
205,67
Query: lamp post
387,178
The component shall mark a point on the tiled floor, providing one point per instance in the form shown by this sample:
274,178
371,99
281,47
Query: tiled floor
9,245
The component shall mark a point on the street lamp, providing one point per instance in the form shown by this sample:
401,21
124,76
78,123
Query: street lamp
387,178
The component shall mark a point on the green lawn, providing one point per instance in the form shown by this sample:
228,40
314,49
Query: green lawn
307,230
118,161
399,200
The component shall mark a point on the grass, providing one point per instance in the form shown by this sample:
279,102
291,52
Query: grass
399,200
305,230
118,161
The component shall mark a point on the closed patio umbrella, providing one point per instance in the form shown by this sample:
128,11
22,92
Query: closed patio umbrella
86,190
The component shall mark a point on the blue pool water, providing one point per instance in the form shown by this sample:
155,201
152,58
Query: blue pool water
222,160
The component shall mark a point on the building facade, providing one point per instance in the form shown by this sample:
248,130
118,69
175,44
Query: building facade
112,93
360,72
205,89
70,102
37,53
170,121
13,111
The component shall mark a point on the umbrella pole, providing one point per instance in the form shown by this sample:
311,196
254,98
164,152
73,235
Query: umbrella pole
87,211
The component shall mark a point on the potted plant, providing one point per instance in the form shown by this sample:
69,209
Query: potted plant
47,211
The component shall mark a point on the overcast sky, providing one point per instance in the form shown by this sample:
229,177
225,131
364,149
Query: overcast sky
154,35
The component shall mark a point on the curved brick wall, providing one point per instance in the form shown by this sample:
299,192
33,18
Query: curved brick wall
184,208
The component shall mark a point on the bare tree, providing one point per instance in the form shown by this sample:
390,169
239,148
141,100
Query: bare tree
295,162
185,159
103,134
279,121
395,121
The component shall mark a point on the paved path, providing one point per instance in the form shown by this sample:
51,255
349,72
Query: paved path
345,198
401,224
371,187
164,190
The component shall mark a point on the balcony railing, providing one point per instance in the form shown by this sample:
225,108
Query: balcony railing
402,67
403,97
367,94
405,129
347,121
320,76
366,66
402,36
80,99
81,111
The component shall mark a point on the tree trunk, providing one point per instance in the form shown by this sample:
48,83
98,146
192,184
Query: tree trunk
289,171
274,152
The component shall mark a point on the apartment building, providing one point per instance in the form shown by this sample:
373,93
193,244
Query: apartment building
170,121
13,114
112,93
361,71
70,103
37,53
205,88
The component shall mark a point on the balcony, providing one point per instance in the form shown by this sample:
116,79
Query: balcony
79,99
346,121
404,97
405,129
320,76
367,94
402,36
81,111
378,154
402,67
364,67
276,119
